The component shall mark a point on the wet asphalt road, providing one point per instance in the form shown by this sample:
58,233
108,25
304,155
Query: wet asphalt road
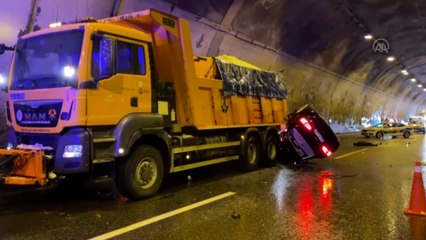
357,196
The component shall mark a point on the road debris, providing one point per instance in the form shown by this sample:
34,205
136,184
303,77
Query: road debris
363,143
235,215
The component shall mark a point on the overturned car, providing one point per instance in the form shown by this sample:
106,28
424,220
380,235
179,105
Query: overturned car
308,135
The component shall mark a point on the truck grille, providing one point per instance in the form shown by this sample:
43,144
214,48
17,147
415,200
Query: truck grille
37,113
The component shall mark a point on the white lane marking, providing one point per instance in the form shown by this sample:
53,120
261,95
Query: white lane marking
160,217
351,153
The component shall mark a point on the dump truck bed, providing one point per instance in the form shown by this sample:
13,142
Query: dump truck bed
234,93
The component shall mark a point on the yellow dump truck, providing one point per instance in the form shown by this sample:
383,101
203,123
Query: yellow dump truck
125,97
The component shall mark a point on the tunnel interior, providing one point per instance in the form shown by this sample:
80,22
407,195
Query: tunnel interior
320,47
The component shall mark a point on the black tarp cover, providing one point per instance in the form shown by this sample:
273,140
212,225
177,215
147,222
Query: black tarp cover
241,78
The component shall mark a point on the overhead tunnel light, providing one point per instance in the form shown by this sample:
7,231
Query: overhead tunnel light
391,58
404,71
420,85
55,24
413,80
424,89
368,36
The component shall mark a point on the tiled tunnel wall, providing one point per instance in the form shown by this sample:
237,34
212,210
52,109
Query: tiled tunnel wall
344,100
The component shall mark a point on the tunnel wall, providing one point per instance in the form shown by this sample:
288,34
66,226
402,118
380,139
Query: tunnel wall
343,100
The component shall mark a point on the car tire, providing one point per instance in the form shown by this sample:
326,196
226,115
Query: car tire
406,134
379,135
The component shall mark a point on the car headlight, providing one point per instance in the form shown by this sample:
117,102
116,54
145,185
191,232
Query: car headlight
73,151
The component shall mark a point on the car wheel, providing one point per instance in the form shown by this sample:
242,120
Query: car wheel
379,135
406,134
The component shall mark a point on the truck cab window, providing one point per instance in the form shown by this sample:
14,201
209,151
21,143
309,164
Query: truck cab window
47,61
141,60
95,59
124,57
110,56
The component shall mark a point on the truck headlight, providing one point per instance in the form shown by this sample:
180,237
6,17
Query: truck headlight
73,151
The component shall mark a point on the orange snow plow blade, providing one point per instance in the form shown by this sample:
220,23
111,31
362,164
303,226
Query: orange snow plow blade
26,167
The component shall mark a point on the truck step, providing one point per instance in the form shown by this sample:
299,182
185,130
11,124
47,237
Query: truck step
104,140
102,180
103,160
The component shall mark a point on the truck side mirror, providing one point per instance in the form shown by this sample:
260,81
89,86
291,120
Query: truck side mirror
4,48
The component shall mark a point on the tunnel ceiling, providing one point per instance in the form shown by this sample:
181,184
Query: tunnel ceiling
331,34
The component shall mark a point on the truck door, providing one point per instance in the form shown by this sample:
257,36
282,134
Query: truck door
118,66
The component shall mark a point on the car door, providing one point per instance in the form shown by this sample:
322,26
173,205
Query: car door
403,128
387,129
396,129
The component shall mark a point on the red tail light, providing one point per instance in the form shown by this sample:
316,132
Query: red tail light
305,123
325,150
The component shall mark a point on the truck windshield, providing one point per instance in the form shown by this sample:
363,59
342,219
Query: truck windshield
47,61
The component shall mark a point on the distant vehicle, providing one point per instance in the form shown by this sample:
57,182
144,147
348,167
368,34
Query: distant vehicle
309,135
417,124
392,129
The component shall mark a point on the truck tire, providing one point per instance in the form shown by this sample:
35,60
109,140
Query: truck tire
272,149
379,134
251,154
141,175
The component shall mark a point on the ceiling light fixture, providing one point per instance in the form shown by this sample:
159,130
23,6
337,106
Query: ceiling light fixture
413,79
368,36
404,71
391,58
55,24
420,85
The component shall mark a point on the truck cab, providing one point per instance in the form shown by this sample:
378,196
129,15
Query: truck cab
80,75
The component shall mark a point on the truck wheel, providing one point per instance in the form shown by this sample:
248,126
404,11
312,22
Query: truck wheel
142,174
272,149
251,154
406,134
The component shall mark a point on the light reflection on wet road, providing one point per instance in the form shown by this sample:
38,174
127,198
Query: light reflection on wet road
360,196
